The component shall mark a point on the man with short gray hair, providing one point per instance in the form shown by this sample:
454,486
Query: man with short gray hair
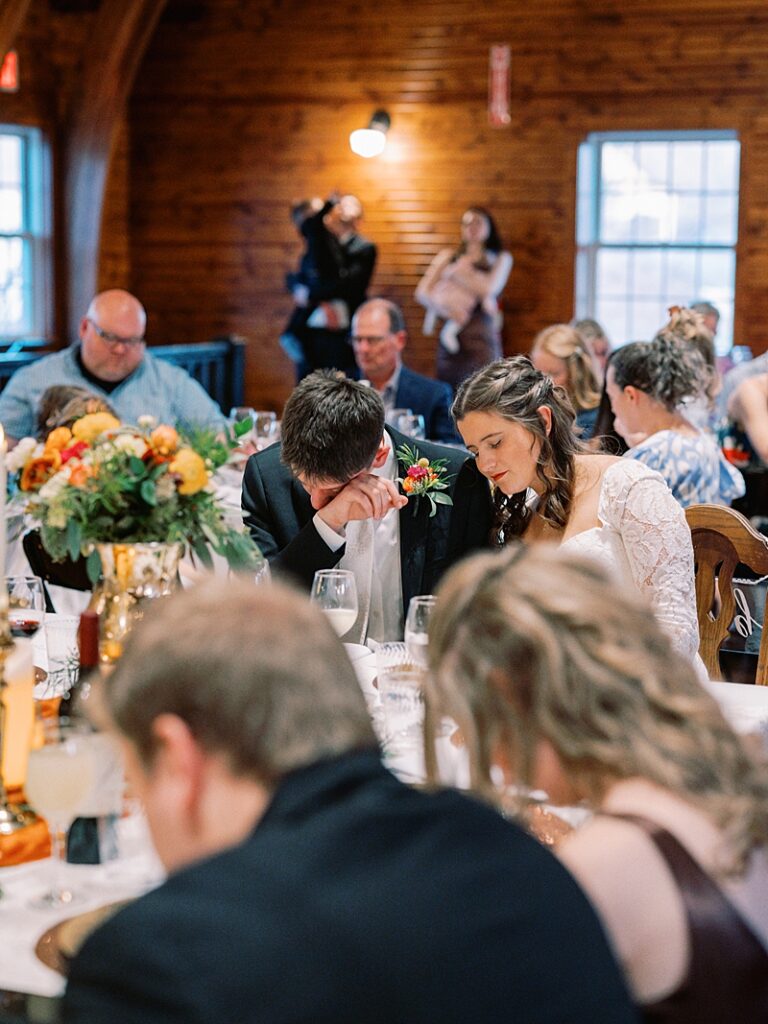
378,339
306,883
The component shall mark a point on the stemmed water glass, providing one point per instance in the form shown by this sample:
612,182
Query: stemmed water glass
413,426
335,592
60,776
417,628
264,428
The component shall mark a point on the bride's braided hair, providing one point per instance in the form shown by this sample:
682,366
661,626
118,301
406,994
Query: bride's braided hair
515,389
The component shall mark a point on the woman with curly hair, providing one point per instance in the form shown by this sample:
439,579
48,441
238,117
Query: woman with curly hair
547,486
560,351
562,681
648,384
688,328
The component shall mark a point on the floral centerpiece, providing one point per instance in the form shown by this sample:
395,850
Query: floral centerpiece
106,482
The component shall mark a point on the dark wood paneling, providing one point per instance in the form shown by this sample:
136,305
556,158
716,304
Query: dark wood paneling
121,32
249,108
241,107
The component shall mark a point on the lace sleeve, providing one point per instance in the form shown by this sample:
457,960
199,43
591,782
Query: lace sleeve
638,504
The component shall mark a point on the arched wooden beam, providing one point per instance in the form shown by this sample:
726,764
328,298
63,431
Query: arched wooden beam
112,57
12,15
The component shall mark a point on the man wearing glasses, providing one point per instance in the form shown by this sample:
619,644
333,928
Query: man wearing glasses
111,360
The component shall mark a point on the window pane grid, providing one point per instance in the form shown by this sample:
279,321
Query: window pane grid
664,214
23,243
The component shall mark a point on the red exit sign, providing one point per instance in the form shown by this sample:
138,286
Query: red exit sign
9,73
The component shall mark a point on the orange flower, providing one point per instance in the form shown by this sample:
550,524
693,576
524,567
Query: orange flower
38,470
408,484
80,475
190,467
58,439
88,427
164,440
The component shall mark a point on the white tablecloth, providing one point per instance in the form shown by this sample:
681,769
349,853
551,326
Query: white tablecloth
139,870
21,926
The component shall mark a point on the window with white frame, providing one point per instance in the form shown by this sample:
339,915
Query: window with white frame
656,226
24,236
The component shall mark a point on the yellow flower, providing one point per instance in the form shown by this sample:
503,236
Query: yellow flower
164,440
58,439
89,427
191,468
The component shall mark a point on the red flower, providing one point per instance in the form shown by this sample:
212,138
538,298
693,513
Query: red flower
418,472
73,452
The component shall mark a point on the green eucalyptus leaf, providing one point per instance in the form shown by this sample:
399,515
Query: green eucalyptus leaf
74,539
441,499
93,566
148,492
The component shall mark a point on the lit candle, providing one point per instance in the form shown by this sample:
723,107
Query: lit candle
17,696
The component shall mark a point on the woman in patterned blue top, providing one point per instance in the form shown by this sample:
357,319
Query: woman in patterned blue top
646,383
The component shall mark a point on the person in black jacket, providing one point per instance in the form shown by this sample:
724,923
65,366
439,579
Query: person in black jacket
306,883
336,470
336,273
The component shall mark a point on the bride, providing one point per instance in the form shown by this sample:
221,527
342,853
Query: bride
549,487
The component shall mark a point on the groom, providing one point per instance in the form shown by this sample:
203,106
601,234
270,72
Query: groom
327,497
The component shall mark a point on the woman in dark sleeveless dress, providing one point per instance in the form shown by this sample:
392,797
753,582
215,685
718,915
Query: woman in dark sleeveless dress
560,680
461,286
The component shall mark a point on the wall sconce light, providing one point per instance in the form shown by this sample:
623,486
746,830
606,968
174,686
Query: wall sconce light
371,141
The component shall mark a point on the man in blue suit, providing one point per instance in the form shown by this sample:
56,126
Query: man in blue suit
378,338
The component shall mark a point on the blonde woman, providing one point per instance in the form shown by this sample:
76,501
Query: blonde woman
560,351
562,681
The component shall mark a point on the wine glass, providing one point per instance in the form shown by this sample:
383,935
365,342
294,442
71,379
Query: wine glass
335,591
241,412
413,426
417,628
264,428
60,775
26,604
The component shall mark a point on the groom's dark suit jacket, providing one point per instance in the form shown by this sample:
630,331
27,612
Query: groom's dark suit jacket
279,515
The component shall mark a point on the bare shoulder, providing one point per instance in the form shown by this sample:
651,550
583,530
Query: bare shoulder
618,865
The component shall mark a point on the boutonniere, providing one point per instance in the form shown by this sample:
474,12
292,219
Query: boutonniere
424,479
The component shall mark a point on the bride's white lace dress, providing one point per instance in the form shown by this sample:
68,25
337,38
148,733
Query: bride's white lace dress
645,540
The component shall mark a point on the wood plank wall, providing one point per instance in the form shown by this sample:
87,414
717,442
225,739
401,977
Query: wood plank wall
244,105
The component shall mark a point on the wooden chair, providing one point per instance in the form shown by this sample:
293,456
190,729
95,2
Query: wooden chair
723,539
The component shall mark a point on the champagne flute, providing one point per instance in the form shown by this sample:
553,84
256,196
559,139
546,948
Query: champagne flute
60,777
26,604
335,592
417,628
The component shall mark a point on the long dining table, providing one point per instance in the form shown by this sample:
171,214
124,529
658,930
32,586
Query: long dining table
137,868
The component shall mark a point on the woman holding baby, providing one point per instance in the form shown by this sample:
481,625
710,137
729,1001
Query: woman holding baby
461,287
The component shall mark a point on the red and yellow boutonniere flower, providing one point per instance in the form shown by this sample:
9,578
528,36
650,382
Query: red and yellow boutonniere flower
424,479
